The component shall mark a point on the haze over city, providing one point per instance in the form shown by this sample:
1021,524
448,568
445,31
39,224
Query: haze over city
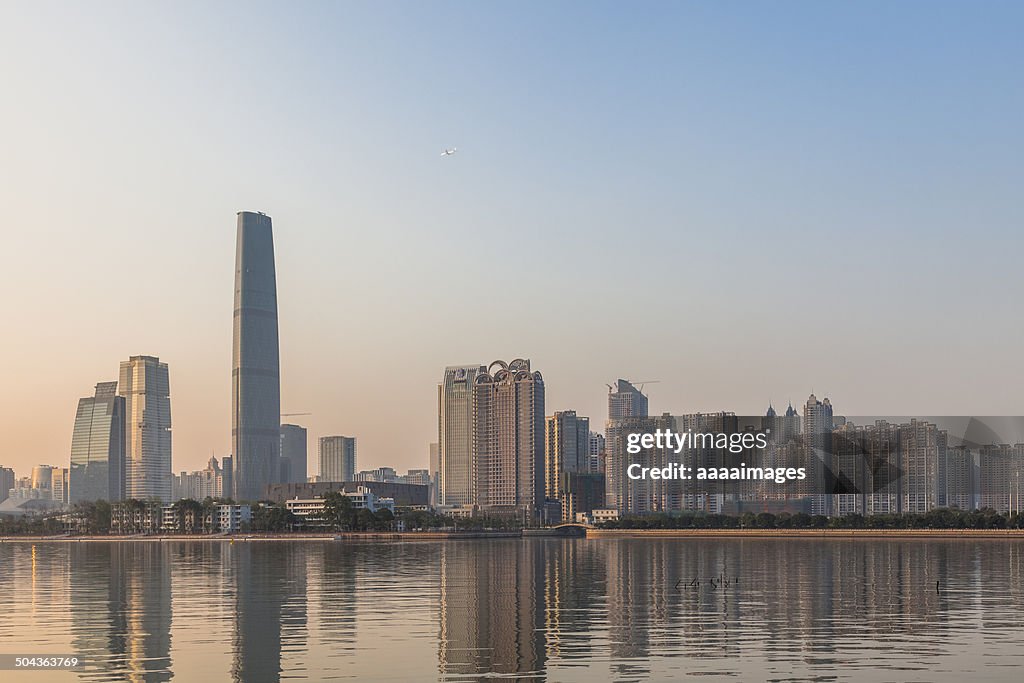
746,208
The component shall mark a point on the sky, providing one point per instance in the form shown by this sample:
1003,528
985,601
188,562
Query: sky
745,201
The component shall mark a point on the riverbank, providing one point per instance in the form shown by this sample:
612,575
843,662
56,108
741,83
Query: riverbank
591,534
250,538
805,533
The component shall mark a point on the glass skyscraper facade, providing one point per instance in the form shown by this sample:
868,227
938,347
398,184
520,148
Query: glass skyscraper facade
145,386
255,367
98,447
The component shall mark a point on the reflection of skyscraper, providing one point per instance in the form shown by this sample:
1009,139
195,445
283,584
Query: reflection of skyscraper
508,438
337,458
147,610
293,451
122,617
270,610
455,435
98,447
492,610
255,368
146,390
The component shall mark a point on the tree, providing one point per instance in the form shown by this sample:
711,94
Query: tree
273,518
383,519
337,512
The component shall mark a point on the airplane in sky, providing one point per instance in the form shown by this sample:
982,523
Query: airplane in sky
449,152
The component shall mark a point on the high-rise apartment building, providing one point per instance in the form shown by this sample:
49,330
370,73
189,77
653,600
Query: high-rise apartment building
200,485
625,400
634,496
337,458
455,434
1001,470
508,439
145,386
566,448
255,367
97,469
627,408
960,480
293,453
596,452
923,464
818,424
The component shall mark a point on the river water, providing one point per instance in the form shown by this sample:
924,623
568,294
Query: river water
530,609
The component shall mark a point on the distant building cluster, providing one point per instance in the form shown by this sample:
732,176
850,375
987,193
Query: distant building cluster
498,451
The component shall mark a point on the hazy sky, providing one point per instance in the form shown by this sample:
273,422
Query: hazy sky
746,201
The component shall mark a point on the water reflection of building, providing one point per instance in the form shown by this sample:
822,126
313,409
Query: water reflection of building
270,609
492,609
121,621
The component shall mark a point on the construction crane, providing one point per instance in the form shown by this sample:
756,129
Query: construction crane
294,414
636,383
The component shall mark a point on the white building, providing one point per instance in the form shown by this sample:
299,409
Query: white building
232,517
361,498
605,516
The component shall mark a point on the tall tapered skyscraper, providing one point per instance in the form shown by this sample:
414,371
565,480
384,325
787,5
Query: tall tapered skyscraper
255,367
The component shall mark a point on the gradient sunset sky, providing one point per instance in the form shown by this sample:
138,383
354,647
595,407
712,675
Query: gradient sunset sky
746,201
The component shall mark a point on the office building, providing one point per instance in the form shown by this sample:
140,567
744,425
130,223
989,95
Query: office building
435,465
145,387
596,451
97,469
508,439
227,470
255,368
455,434
6,482
337,458
566,449
293,453
60,483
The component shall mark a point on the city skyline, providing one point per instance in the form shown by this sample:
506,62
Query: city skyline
651,197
